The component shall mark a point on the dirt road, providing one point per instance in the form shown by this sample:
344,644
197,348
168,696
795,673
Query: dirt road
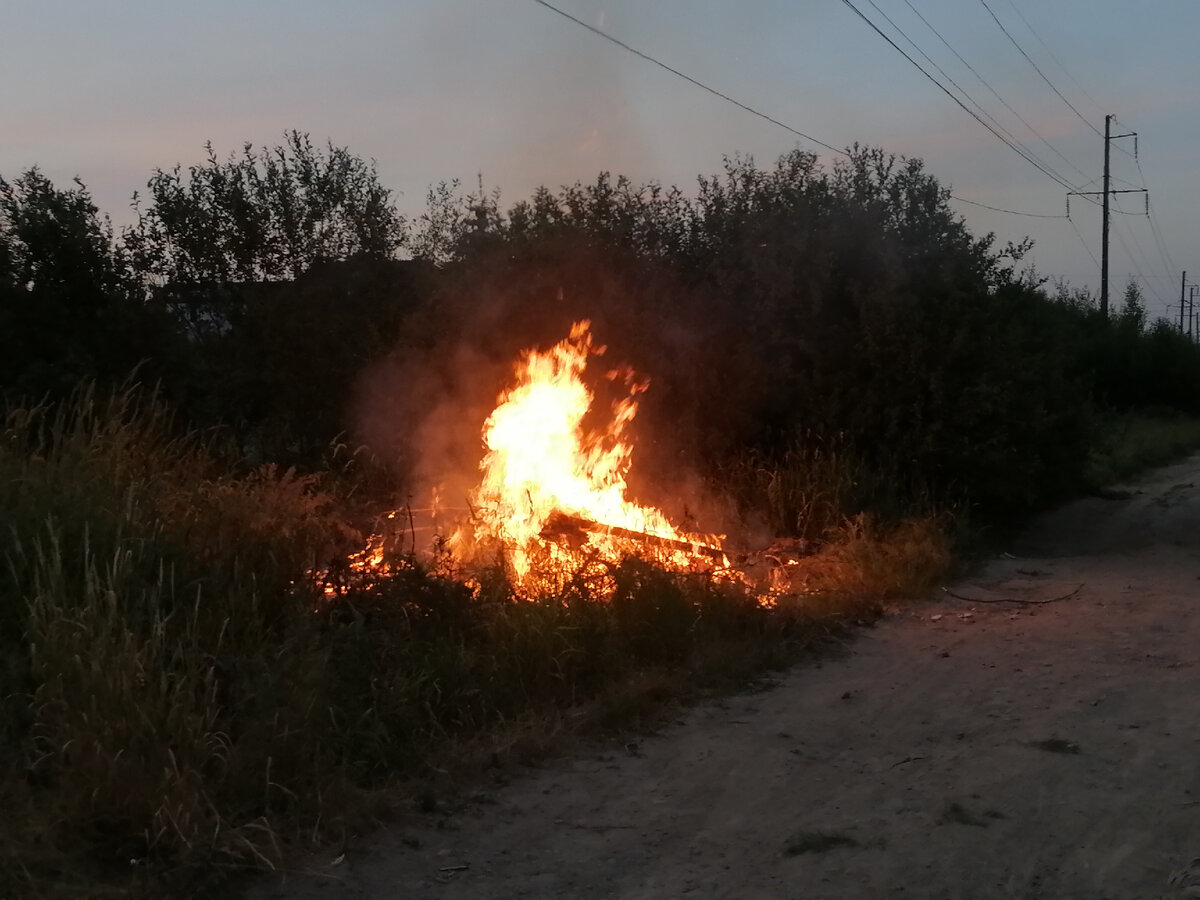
963,748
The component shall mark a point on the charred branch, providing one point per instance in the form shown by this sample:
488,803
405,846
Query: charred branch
565,528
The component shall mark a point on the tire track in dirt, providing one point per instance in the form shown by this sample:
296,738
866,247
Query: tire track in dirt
956,750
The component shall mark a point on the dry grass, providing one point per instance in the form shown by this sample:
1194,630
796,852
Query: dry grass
178,702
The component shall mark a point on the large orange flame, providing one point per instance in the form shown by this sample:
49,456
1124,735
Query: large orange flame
542,469
552,497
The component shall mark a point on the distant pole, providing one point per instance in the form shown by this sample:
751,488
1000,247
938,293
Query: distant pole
1191,311
1182,288
1104,227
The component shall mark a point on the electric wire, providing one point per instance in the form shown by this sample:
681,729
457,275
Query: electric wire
1079,234
1142,255
987,85
1133,261
1111,210
1038,70
1010,141
1162,246
624,46
1159,245
961,89
1015,147
1142,258
688,78
1116,179
1011,212
1050,52
1154,229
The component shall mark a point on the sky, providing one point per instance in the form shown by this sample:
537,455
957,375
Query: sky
510,91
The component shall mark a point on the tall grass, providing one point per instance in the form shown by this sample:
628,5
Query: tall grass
135,577
815,485
1129,443
179,700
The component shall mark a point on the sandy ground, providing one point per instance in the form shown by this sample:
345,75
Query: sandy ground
980,748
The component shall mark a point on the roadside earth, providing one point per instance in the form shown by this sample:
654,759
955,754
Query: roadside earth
1032,732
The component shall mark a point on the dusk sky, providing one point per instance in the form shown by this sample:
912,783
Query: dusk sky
441,89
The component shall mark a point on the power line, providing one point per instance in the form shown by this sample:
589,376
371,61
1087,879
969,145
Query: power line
1054,176
1119,212
688,78
1162,246
771,119
1021,16
1154,229
1143,256
1038,70
1079,234
962,90
1011,212
993,91
1136,267
1010,140
1115,179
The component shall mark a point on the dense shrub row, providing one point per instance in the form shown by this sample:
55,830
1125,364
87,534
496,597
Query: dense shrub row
844,309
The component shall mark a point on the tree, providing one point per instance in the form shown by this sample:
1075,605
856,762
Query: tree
1132,316
266,215
239,251
56,240
69,302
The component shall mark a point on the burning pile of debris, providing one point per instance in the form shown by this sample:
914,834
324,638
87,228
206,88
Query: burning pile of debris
553,491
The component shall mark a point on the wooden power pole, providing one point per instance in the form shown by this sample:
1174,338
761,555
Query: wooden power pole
1109,137
1104,227
1182,290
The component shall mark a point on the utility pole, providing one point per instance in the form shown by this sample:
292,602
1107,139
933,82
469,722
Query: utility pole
1182,288
1192,312
1104,227
1187,306
1108,138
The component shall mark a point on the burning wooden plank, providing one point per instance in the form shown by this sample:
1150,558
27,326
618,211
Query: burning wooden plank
563,527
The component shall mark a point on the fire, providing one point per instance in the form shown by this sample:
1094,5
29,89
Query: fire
552,489
552,494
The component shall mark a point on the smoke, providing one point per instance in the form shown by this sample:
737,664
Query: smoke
420,410
423,408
